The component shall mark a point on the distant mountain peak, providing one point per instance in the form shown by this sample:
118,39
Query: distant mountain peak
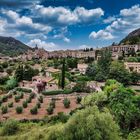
11,46
132,38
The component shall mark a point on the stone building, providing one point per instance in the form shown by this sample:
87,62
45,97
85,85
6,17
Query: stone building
133,66
125,48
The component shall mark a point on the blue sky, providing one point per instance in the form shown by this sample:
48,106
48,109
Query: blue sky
68,24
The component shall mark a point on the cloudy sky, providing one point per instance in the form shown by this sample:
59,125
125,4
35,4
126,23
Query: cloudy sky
68,24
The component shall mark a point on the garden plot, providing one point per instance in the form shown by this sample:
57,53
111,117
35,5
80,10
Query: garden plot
28,106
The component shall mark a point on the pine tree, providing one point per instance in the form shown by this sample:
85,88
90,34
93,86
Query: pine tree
63,75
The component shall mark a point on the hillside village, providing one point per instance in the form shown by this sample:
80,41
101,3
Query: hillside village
54,85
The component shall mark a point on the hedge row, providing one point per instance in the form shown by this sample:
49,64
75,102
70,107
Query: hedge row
56,92
23,90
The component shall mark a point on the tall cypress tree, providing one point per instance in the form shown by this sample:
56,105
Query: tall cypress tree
63,75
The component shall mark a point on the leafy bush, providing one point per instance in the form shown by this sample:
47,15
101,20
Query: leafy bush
4,98
12,83
3,80
134,135
49,110
4,109
52,103
83,78
21,95
80,86
19,109
53,92
34,110
63,117
10,95
10,104
78,99
38,105
17,98
40,99
10,127
0,102
23,90
15,92
25,104
66,103
32,95
56,92
67,91
29,100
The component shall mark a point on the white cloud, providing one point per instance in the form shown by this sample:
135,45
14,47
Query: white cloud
61,34
127,21
101,35
11,14
67,39
23,24
133,11
48,46
109,19
85,15
65,16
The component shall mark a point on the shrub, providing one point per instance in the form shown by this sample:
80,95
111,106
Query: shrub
34,110
53,92
67,91
40,99
10,104
66,103
25,104
56,92
62,117
80,86
0,102
12,83
10,95
52,103
49,110
4,109
19,109
3,79
10,127
32,95
15,92
38,105
23,90
29,100
17,98
21,95
78,99
4,98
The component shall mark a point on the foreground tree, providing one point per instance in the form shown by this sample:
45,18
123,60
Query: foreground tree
124,105
87,124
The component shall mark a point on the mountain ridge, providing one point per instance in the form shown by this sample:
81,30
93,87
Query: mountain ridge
12,47
132,38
